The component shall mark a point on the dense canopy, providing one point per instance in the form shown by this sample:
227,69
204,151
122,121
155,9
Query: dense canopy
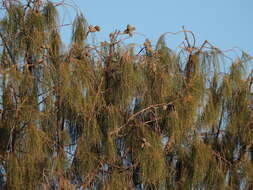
105,116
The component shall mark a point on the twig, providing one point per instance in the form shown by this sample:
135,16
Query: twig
186,38
91,177
138,113
220,122
221,157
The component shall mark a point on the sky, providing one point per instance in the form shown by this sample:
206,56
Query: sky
224,23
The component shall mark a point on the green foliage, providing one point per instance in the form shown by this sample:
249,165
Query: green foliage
103,117
79,30
50,15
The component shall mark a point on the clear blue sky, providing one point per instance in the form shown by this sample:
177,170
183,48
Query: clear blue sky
225,23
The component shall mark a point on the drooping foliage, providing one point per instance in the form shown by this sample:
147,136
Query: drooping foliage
106,117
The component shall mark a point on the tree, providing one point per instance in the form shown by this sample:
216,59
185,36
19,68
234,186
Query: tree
104,117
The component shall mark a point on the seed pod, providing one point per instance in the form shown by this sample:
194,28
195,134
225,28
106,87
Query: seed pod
103,44
145,143
97,28
148,46
129,30
92,29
